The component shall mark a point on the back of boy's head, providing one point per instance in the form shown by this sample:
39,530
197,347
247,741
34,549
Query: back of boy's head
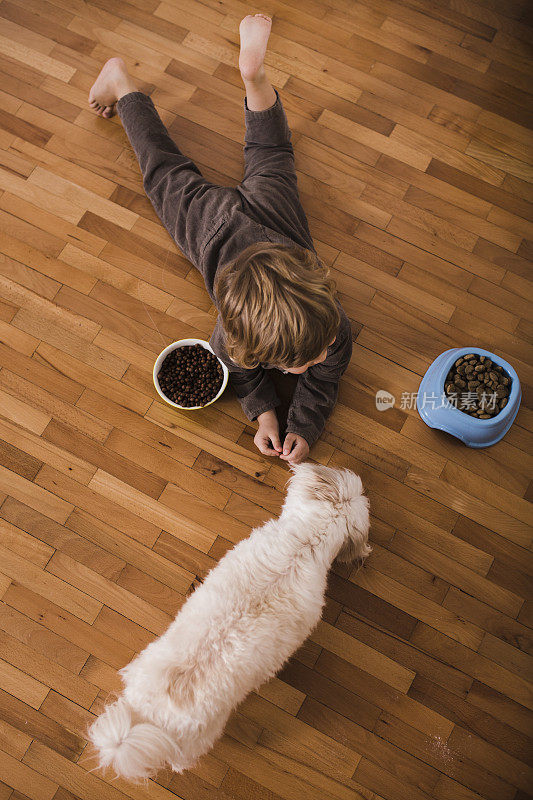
277,306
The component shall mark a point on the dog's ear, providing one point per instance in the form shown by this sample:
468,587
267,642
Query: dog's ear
317,482
327,486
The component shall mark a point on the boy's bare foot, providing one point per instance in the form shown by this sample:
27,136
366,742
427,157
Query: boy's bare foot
254,31
113,82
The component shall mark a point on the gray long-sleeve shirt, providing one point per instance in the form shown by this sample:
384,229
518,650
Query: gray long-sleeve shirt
213,224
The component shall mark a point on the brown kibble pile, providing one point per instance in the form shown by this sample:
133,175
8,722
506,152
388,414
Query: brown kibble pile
190,376
473,376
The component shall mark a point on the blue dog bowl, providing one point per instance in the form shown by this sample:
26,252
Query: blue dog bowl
444,416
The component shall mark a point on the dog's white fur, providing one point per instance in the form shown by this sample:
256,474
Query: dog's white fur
254,609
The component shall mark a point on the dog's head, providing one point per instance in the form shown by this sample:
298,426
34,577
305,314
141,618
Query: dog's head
324,496
312,483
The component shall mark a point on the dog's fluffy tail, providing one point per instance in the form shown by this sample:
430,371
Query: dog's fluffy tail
134,751
355,546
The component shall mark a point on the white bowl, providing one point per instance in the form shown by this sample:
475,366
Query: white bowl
187,343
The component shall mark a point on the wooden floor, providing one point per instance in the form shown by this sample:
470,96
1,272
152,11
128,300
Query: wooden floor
410,122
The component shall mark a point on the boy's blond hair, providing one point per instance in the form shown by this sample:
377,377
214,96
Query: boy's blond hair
277,306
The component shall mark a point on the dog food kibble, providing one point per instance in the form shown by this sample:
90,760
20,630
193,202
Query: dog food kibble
190,376
477,386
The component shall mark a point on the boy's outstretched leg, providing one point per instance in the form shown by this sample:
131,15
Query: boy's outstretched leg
187,203
269,187
254,32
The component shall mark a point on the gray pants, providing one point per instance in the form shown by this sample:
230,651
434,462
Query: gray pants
188,204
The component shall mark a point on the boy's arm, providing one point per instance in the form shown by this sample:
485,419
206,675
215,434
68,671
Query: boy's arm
253,387
255,390
318,387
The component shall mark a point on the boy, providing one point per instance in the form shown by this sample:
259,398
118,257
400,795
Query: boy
253,247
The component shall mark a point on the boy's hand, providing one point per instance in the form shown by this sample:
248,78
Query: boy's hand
295,449
267,437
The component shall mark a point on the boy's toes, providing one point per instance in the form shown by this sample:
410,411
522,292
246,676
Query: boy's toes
109,111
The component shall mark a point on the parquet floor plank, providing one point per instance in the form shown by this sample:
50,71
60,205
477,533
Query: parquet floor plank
412,134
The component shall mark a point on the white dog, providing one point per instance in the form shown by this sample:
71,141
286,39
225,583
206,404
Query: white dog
254,609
